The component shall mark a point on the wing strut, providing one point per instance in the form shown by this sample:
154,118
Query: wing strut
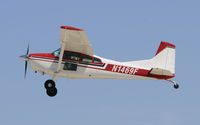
60,57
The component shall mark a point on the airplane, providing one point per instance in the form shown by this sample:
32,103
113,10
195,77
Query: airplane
75,60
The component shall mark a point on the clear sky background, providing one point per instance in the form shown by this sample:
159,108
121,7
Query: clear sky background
123,31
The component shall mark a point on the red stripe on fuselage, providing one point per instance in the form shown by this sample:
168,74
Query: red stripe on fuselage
44,55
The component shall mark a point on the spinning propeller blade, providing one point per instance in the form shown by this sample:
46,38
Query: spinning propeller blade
25,69
26,59
27,50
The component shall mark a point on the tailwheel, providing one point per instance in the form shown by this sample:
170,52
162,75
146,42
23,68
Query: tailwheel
176,86
50,88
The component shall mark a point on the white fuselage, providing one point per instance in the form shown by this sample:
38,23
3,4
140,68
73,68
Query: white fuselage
116,71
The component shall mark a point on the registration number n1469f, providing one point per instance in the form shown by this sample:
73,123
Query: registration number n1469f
124,69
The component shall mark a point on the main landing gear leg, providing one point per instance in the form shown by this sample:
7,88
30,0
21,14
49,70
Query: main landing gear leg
176,86
50,88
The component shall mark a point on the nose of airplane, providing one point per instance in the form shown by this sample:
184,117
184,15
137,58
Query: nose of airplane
24,57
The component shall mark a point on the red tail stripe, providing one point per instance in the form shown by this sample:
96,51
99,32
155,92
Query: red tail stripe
163,45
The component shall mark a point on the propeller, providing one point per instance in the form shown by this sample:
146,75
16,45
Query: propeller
25,58
26,61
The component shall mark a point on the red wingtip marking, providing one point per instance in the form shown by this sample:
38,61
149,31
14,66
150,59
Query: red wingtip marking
70,28
163,45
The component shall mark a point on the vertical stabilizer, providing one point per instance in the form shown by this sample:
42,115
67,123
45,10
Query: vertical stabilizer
165,57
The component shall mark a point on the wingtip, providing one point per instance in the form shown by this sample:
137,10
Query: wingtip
71,28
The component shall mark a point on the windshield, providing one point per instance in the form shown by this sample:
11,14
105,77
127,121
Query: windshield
56,52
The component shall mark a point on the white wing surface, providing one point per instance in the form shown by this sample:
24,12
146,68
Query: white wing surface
75,40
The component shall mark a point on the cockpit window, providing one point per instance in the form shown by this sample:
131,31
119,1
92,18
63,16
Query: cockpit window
72,56
86,58
97,60
56,52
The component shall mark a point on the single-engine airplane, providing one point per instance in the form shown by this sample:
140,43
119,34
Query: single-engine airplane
75,60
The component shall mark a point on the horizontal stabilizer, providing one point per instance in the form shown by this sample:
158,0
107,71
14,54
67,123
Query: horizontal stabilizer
158,71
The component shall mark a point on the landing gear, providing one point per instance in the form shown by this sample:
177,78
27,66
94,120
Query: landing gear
51,92
176,86
49,84
50,88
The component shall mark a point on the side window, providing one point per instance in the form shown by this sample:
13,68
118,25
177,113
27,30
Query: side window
86,58
97,60
71,56
70,66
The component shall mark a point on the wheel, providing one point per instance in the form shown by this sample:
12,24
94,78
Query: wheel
51,92
176,86
49,84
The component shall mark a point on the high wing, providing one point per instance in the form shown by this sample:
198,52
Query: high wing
75,40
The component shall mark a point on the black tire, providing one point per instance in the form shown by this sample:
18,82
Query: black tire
176,86
51,92
49,84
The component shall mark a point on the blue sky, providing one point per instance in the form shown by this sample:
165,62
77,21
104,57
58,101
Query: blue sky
120,30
